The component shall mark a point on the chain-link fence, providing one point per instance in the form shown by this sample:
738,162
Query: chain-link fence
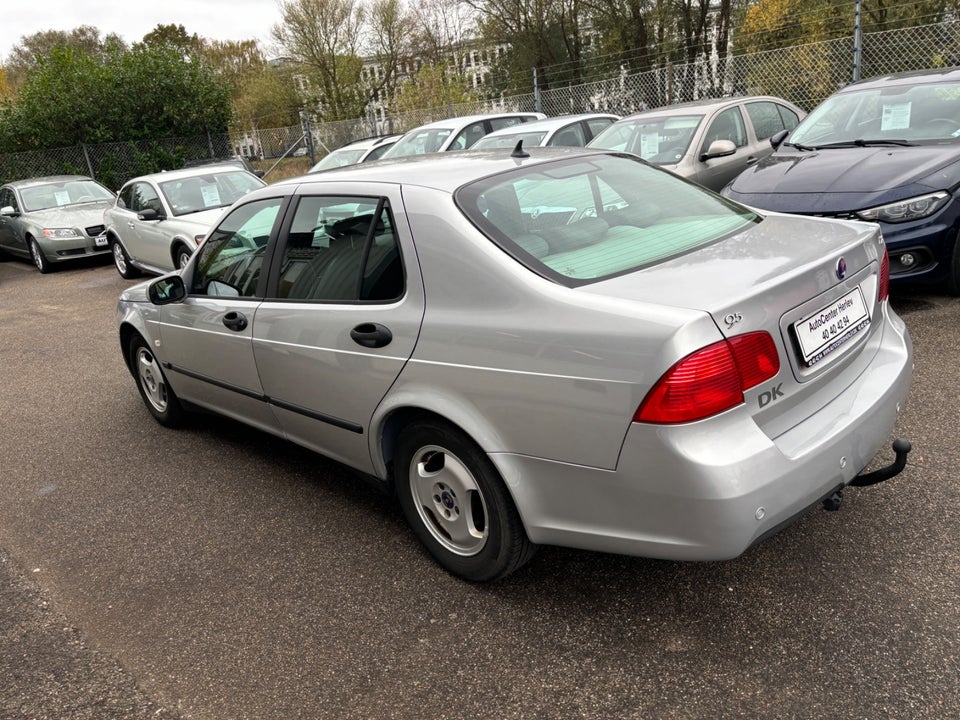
804,74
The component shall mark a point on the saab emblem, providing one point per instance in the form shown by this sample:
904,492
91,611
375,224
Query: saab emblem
841,269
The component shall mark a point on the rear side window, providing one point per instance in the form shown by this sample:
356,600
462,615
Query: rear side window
581,220
341,249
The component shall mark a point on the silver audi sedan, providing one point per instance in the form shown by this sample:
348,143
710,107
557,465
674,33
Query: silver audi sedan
560,346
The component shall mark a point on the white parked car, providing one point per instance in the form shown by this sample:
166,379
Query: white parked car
356,152
159,220
561,131
455,133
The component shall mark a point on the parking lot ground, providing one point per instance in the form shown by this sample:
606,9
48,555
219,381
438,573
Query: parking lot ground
217,572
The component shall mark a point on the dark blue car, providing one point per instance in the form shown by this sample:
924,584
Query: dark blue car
886,150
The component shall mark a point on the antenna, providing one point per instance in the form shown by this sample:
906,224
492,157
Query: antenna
518,151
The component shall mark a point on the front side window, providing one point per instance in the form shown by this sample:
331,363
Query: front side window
144,197
571,136
468,136
581,220
341,249
231,256
765,118
728,125
8,199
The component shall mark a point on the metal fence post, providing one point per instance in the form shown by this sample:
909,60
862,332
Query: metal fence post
856,42
86,156
536,93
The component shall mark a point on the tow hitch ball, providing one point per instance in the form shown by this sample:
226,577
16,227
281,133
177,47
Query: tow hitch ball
901,447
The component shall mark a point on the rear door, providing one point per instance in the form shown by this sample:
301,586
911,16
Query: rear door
341,318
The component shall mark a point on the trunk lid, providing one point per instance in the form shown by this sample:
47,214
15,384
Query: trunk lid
810,283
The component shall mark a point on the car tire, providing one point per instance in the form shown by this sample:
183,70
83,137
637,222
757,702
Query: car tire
953,277
181,256
156,392
122,262
457,504
39,259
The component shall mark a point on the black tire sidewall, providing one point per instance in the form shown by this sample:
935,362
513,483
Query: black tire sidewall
131,271
506,536
172,416
44,264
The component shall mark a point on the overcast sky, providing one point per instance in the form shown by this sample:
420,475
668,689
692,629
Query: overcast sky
213,19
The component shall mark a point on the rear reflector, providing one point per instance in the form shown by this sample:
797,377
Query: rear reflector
883,286
711,380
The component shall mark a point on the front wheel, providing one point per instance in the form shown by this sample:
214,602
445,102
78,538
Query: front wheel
39,259
122,262
457,504
157,395
181,256
953,278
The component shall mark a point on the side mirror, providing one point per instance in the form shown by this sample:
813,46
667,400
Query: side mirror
8,211
166,290
259,173
150,214
776,140
719,148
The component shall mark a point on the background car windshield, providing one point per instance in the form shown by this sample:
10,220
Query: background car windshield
338,158
530,139
425,141
208,191
660,140
914,113
71,192
582,220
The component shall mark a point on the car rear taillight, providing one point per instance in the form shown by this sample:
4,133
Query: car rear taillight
883,286
711,380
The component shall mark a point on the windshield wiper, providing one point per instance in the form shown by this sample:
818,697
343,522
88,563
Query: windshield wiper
859,142
798,146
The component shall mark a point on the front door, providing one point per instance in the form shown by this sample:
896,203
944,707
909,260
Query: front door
340,318
208,338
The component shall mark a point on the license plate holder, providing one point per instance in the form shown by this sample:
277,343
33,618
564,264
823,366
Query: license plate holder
101,241
824,331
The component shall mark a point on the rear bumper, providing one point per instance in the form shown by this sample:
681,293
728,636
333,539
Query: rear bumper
690,492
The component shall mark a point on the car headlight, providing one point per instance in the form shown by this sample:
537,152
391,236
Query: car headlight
903,210
60,233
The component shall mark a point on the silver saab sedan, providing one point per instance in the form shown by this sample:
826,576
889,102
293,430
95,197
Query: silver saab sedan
564,346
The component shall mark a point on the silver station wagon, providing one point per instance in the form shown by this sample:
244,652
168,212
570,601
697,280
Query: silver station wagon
564,346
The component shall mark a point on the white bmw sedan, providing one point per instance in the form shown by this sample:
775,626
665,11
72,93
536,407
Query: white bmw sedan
564,346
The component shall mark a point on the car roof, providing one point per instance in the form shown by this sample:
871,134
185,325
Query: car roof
912,77
550,123
706,105
368,142
441,170
167,175
457,122
45,180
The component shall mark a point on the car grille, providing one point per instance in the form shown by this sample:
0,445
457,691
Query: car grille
835,215
94,230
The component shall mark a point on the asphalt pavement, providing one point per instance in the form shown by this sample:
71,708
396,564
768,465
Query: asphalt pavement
218,573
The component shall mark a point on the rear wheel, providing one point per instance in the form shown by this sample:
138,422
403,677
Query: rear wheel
39,259
122,262
457,504
157,395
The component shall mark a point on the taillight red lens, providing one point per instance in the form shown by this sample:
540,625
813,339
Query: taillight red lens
710,380
883,286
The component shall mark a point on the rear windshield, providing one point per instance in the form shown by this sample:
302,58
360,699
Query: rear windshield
586,219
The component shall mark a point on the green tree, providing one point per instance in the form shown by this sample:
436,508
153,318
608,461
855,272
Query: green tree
145,92
34,49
